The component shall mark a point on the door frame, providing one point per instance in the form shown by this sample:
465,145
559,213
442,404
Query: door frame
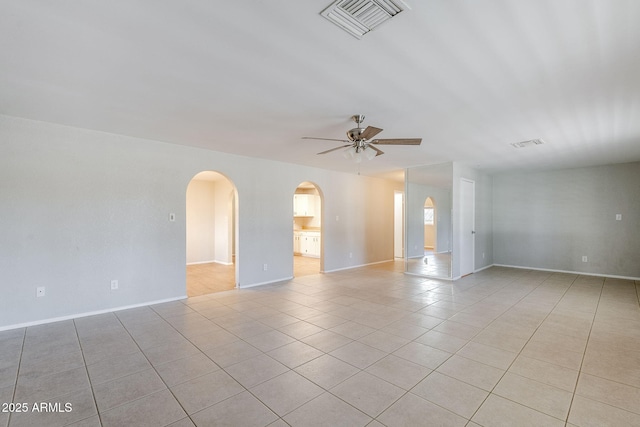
467,220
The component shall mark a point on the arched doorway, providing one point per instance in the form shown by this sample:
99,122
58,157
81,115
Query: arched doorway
307,230
430,228
211,225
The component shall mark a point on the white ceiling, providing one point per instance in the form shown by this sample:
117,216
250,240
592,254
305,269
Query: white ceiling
252,77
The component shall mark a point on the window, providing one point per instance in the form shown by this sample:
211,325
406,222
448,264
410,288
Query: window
428,216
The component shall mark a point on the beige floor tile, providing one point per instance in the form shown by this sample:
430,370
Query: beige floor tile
256,370
460,330
269,340
456,396
160,408
399,371
358,354
536,395
170,352
610,392
550,353
587,412
327,371
422,354
185,422
300,329
411,410
326,410
368,393
441,341
326,341
182,370
384,341
42,388
501,341
202,392
488,355
286,392
624,370
352,330
82,406
544,372
295,354
126,389
240,410
231,354
113,368
213,339
497,411
472,372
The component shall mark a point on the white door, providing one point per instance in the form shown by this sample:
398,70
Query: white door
467,222
398,229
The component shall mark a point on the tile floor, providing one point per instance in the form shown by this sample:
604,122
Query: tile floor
203,279
362,347
431,264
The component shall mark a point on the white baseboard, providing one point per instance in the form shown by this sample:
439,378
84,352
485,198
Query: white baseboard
483,268
449,279
270,282
212,261
89,313
581,273
357,266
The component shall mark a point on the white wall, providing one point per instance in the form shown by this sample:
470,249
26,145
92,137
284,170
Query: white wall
551,219
80,208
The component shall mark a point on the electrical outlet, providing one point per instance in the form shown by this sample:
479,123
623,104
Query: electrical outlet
114,285
40,291
584,258
482,255
350,254
172,217
265,267
618,217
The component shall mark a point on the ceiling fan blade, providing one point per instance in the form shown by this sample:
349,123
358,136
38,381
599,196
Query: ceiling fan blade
370,132
398,141
325,139
376,149
334,149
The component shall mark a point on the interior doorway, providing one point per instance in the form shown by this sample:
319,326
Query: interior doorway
430,228
211,226
307,230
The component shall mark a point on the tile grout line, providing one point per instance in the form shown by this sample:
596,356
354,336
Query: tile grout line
15,383
84,361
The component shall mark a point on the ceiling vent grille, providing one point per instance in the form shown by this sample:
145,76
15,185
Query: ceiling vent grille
358,17
529,143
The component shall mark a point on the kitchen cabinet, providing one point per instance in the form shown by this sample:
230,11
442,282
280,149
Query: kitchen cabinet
296,242
309,243
304,205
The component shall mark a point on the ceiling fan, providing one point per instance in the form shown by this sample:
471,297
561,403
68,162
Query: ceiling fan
360,143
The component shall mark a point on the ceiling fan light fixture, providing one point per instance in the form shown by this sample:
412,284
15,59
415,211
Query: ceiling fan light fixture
369,153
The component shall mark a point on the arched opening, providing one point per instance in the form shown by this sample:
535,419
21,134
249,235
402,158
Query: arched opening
307,230
211,225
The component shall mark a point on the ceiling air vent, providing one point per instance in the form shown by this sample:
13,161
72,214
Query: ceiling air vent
358,17
529,143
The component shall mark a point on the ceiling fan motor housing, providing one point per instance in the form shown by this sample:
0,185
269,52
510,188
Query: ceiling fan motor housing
355,134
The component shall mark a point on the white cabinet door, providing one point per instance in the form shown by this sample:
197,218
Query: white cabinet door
303,205
296,242
310,244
